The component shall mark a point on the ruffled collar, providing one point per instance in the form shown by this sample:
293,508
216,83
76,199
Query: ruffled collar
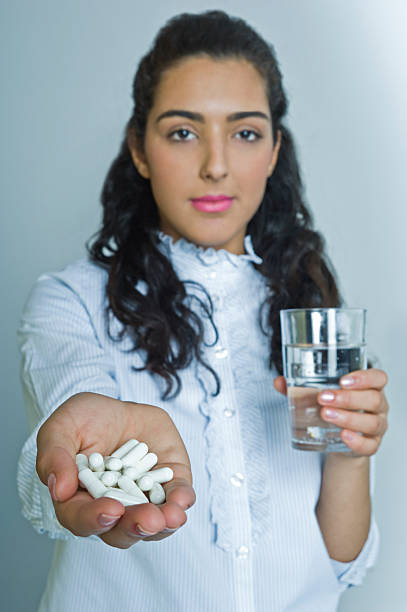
208,256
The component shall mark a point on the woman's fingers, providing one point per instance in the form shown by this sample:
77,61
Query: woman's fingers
365,423
359,408
359,379
150,522
359,444
180,492
138,522
174,515
369,400
175,518
118,526
85,516
364,379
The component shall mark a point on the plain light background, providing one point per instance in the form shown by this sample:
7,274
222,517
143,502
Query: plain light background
66,73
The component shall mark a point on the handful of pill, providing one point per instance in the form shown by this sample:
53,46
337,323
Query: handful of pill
125,475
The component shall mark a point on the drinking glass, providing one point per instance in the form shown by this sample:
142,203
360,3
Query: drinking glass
319,345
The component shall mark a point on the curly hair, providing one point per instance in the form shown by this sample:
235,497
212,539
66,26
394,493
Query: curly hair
296,269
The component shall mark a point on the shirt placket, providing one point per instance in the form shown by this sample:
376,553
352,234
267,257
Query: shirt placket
226,408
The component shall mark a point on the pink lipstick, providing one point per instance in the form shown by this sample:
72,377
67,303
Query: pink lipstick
212,203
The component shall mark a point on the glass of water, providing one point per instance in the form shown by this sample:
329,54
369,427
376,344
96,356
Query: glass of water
319,345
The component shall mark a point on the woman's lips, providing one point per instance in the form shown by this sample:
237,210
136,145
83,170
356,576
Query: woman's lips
212,203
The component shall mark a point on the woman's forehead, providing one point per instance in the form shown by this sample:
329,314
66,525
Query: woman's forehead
211,82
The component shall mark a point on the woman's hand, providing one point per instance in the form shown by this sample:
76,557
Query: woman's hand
358,407
88,423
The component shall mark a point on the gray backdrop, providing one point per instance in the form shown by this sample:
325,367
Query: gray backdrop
66,71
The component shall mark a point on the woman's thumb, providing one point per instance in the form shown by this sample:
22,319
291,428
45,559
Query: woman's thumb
280,384
56,465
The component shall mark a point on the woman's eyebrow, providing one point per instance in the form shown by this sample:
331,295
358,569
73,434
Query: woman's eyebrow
198,117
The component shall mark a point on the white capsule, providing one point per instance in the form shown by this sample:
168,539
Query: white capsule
92,483
145,482
132,472
135,454
157,494
164,474
96,462
125,498
110,478
149,461
122,450
142,466
81,465
113,463
81,461
129,486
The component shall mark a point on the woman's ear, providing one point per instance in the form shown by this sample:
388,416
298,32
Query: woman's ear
137,155
276,150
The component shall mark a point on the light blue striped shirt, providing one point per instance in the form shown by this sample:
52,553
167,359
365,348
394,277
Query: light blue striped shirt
252,542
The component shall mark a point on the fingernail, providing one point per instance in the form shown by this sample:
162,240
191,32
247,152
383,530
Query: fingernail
106,520
52,481
331,414
348,381
327,396
142,532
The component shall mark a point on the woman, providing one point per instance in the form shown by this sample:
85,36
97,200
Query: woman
170,333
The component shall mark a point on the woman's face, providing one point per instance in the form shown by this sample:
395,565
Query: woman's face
208,150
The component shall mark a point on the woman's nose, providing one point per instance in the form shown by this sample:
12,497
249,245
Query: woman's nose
214,162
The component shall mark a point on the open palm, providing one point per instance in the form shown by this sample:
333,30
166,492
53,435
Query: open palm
88,423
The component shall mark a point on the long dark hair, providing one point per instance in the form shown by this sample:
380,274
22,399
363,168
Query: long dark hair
296,270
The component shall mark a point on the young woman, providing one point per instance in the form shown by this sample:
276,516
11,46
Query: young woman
169,332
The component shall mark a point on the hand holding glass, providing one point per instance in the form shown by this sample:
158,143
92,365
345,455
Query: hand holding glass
319,346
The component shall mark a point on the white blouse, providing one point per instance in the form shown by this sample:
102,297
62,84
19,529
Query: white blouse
252,542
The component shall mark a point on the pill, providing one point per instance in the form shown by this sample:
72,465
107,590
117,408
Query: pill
125,498
145,483
142,466
149,461
113,463
96,462
122,450
135,454
92,483
129,486
157,494
109,478
164,474
81,461
133,472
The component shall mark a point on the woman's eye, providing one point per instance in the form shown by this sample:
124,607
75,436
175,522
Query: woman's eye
181,134
249,135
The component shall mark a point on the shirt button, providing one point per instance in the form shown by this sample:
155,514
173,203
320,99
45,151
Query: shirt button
221,352
228,412
211,274
237,479
242,552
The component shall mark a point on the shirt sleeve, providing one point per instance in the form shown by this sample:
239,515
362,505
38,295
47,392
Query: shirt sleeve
62,354
353,573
